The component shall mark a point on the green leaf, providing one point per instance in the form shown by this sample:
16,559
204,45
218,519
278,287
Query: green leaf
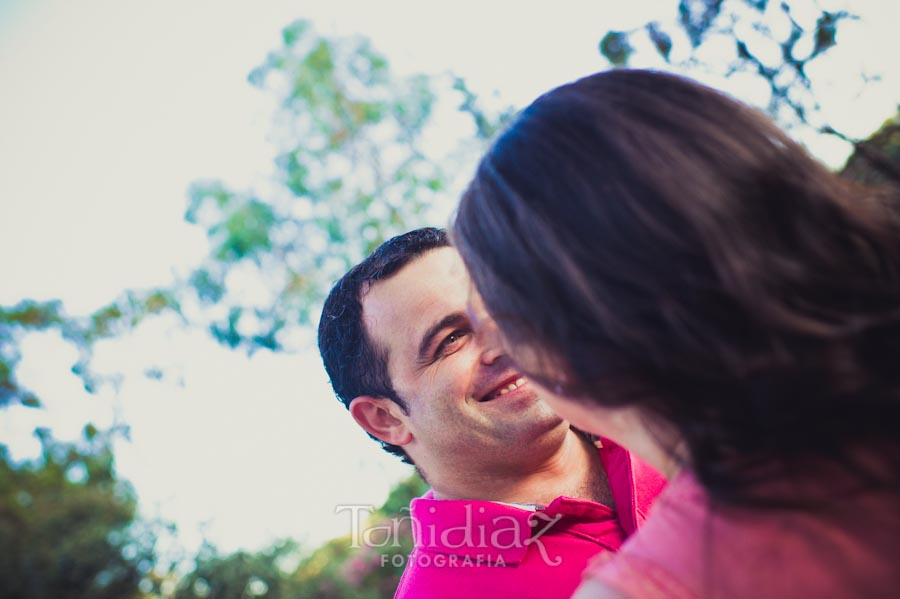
31,401
5,372
293,32
227,333
661,40
246,231
104,320
158,301
826,31
32,315
208,287
616,48
697,16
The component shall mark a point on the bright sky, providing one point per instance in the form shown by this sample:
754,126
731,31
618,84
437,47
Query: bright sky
111,108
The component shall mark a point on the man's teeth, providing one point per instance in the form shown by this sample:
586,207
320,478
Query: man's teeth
511,387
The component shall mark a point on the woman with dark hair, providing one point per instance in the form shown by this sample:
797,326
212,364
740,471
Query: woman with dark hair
684,279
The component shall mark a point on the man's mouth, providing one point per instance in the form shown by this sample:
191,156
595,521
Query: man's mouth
505,388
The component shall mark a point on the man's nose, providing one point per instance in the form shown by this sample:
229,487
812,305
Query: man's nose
491,343
486,330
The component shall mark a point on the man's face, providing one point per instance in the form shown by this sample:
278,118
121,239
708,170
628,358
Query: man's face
467,405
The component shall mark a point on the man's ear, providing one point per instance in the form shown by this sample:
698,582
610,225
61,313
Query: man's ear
381,418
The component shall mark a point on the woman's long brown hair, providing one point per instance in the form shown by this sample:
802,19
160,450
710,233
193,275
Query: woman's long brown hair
655,243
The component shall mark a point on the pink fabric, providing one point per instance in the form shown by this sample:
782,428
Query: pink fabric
634,484
485,549
687,550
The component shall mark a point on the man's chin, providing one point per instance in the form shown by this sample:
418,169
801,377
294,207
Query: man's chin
523,414
534,439
537,420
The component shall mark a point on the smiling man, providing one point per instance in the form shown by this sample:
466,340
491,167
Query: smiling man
520,501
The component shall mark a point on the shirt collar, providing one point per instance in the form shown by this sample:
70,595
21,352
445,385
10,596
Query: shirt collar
491,530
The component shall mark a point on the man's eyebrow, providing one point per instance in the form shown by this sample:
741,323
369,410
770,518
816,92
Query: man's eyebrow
448,321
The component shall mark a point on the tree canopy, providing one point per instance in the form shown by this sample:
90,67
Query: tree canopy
355,167
68,526
777,44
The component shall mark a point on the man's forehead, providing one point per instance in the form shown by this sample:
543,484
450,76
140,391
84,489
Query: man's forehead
397,310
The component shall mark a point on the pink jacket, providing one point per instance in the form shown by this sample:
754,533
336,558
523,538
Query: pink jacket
486,549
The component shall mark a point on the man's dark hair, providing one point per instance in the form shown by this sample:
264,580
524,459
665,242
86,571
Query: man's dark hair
355,365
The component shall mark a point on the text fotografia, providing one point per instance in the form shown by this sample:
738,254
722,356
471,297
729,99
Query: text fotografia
481,544
440,560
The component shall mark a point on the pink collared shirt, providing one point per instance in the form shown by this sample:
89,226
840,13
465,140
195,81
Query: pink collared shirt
487,549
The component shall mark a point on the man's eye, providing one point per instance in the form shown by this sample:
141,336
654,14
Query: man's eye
449,343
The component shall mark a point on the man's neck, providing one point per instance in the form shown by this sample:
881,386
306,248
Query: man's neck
573,470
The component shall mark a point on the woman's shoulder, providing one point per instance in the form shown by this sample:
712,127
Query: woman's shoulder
657,558
687,545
